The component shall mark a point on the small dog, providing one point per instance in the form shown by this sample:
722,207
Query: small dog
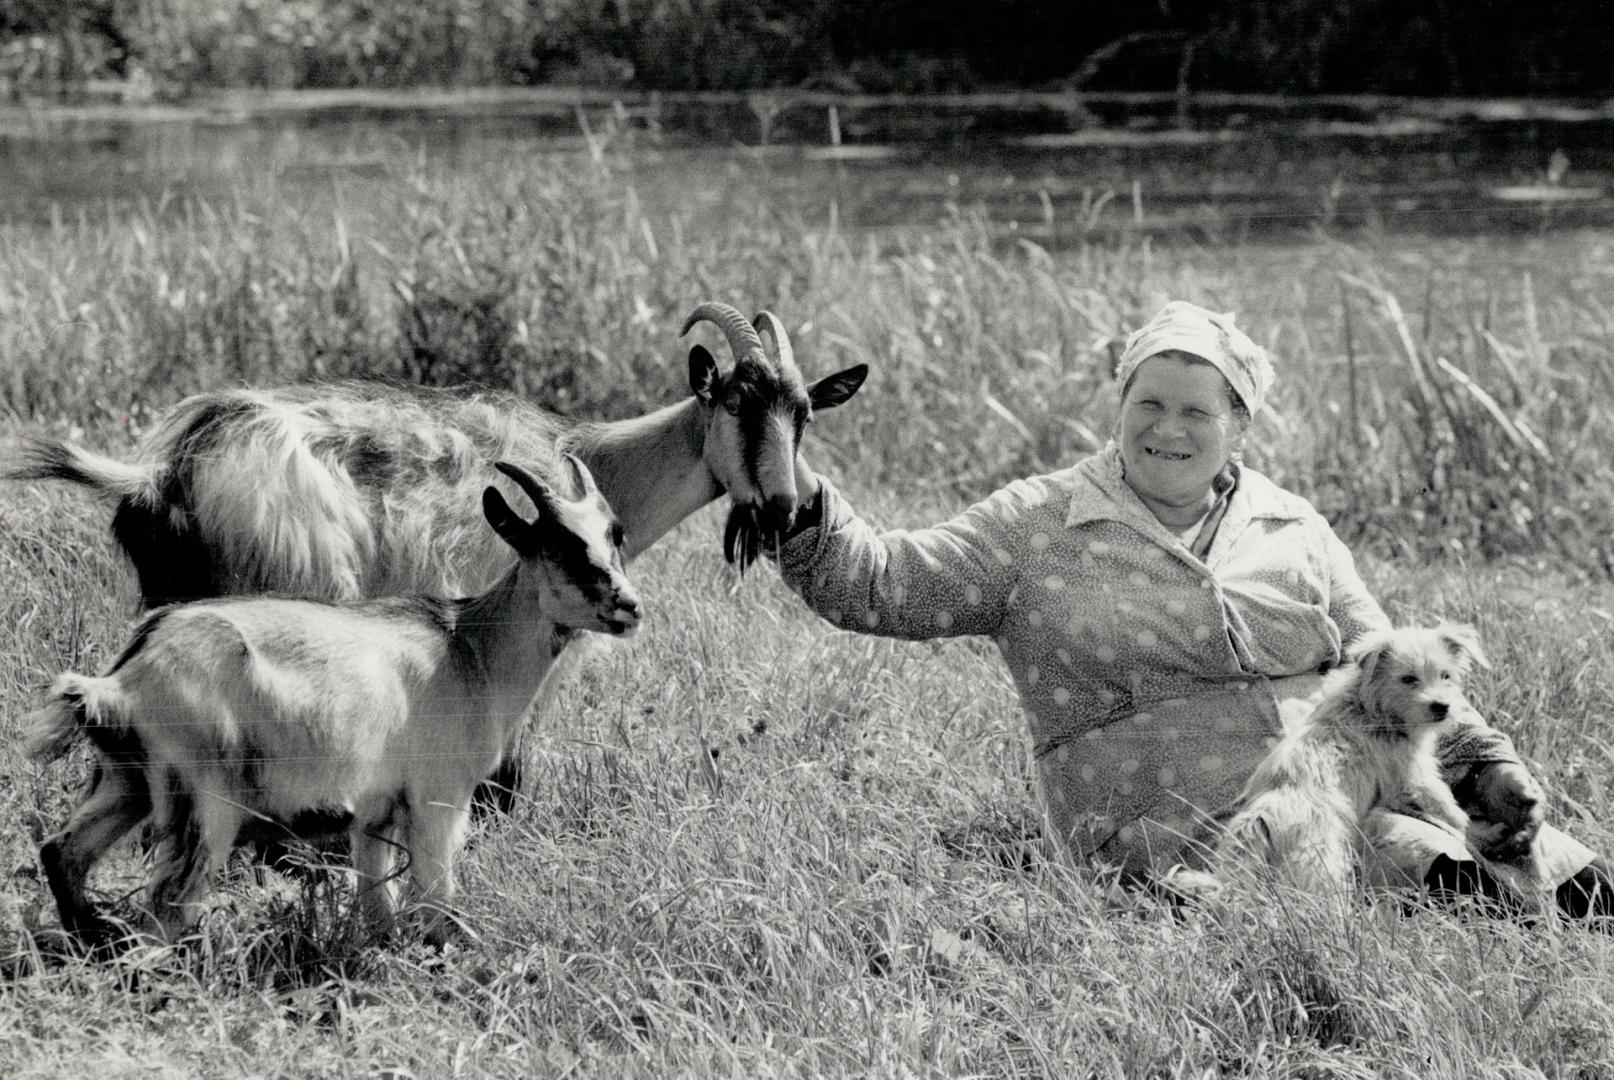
1369,743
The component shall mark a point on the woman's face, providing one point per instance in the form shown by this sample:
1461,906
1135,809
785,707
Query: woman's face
1178,430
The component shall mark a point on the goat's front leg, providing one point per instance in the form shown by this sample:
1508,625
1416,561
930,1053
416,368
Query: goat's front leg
499,791
117,802
436,834
372,847
198,834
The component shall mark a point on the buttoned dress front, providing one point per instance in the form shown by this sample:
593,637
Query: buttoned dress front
1153,680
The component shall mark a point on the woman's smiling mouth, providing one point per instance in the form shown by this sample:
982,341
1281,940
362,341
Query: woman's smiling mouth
1169,455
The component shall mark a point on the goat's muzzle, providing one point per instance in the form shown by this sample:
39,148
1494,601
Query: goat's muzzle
625,615
776,515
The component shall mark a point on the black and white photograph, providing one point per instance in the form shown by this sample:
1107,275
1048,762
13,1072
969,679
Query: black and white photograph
729,538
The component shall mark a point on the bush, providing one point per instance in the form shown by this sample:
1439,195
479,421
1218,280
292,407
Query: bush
1423,47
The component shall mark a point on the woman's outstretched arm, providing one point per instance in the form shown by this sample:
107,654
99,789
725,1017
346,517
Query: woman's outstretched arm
951,579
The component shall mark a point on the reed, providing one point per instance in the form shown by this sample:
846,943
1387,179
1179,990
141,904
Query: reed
1476,424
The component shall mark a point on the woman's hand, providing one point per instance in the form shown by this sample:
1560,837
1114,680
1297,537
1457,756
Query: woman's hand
806,482
1506,808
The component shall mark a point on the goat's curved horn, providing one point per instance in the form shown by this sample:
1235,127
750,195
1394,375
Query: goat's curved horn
583,478
742,336
542,496
768,323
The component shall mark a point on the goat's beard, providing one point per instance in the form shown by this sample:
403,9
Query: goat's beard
745,537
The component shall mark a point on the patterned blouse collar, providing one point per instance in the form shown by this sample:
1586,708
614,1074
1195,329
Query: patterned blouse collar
1100,493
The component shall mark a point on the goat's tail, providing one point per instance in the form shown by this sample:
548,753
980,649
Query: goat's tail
79,706
51,459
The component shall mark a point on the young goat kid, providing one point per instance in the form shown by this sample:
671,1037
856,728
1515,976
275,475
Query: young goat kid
385,713
1370,743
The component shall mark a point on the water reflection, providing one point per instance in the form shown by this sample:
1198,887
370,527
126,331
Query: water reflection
1050,167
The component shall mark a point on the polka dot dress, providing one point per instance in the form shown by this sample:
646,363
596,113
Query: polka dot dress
1151,679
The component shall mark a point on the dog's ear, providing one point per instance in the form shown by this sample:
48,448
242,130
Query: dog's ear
1369,652
1462,641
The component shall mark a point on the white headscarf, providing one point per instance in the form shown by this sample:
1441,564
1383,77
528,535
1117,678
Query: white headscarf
1184,327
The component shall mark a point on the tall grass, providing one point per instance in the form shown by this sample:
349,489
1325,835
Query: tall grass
756,845
1451,400
852,886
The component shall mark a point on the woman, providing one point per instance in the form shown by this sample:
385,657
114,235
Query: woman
1161,608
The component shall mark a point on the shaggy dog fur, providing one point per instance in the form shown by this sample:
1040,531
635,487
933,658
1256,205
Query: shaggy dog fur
1370,743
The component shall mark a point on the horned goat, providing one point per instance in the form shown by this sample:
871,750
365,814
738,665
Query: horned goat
358,489
384,712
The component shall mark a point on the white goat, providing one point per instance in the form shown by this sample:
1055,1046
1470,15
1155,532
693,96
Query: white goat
364,489
384,712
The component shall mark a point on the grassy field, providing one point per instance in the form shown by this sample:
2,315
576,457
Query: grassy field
854,886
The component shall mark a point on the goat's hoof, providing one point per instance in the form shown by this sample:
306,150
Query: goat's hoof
94,935
446,930
91,927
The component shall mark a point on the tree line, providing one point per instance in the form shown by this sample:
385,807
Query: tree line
1411,47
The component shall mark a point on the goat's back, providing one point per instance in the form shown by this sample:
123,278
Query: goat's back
290,696
337,490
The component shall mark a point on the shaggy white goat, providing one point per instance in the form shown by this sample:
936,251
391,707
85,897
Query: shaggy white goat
384,712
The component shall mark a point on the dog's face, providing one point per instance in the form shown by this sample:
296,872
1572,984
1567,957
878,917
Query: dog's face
1411,680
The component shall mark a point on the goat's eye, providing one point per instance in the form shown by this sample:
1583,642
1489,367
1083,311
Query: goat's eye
1445,675
732,406
1409,680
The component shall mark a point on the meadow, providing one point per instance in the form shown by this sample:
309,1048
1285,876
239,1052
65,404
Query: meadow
754,845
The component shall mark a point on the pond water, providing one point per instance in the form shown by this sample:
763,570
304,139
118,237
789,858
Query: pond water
1048,167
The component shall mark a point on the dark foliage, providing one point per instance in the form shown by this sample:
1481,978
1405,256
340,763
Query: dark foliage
1426,47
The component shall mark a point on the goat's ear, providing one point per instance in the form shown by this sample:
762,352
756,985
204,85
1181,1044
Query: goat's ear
1462,641
507,523
833,390
702,373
